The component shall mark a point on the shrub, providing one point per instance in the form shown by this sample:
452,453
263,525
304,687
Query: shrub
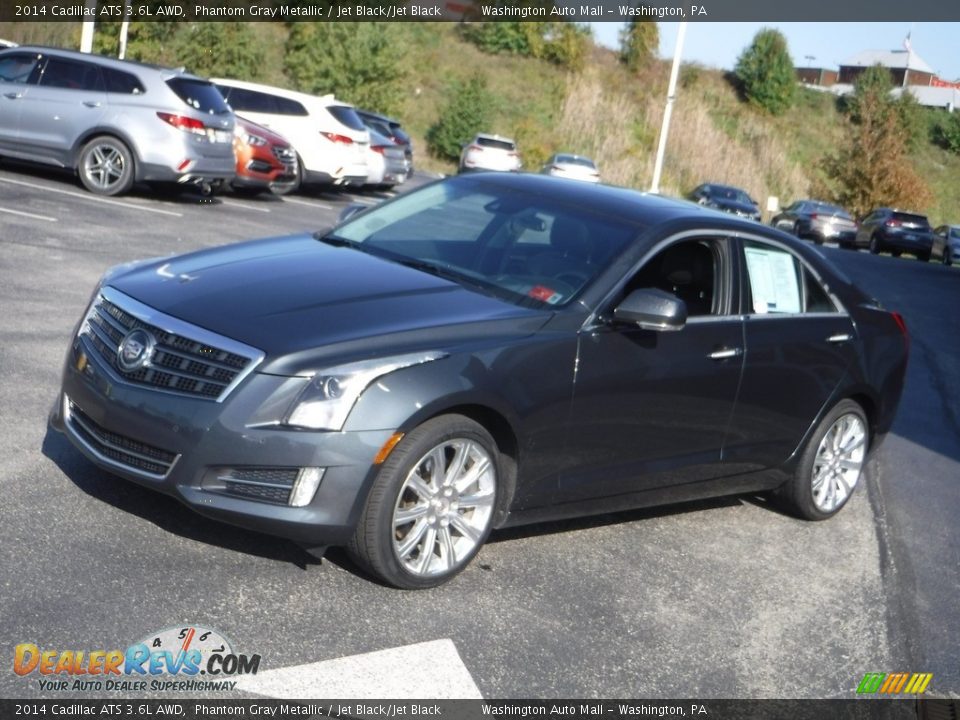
765,72
467,113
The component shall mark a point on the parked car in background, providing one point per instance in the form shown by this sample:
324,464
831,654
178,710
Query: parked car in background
946,244
388,127
896,232
818,221
490,152
114,122
387,164
483,351
330,139
575,167
726,198
265,160
7,44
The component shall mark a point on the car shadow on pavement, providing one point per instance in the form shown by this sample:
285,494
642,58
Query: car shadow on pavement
163,511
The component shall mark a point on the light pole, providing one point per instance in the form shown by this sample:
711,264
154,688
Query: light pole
668,110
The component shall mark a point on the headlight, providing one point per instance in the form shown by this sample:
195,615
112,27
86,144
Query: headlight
255,140
327,400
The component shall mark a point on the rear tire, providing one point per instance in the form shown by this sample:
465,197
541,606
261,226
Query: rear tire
874,245
106,166
431,506
831,464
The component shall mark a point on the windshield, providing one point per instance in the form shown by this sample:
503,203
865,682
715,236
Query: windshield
575,160
525,248
730,193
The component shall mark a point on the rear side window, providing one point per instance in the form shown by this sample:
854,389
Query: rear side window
347,116
199,94
243,100
122,83
71,75
779,284
17,67
498,144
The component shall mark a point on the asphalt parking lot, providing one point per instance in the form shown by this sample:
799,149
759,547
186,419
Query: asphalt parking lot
721,599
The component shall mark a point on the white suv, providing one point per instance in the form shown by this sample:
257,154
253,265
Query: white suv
490,152
328,135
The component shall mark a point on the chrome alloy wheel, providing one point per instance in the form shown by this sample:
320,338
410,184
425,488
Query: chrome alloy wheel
104,166
839,460
444,507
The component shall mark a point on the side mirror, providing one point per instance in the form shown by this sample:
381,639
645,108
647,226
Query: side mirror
652,309
350,210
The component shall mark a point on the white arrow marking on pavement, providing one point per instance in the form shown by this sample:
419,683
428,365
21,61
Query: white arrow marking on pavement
430,670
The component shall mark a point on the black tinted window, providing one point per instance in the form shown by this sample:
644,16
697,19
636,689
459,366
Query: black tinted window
199,94
286,106
121,82
17,67
910,218
348,116
70,74
497,144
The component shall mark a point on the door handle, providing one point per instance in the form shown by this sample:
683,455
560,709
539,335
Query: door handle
839,338
725,353
92,103
13,95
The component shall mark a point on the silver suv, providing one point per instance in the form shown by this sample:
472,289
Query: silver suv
113,121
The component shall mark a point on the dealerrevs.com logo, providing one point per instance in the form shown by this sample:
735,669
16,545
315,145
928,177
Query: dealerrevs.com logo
189,659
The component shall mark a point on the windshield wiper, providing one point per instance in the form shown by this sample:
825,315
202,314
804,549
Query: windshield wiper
334,240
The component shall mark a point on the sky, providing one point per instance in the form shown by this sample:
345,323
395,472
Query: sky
719,44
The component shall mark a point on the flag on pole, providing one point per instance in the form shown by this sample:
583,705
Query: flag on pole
906,42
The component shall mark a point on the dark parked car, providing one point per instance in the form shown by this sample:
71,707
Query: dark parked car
946,244
896,232
818,221
727,198
485,351
390,128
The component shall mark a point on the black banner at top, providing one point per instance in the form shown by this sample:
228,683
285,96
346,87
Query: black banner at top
480,11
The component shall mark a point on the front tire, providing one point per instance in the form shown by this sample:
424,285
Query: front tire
431,506
106,166
831,464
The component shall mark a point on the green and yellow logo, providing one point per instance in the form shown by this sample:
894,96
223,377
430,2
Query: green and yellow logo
894,683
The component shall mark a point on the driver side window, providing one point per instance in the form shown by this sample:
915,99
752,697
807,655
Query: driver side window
689,270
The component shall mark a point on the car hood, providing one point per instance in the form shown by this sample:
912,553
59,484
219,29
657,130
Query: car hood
303,302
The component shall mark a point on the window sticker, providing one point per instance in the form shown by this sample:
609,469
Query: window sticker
773,280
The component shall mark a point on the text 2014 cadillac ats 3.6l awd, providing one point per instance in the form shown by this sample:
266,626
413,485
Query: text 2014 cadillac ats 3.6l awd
485,351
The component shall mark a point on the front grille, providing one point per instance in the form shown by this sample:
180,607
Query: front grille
271,485
286,156
119,449
178,361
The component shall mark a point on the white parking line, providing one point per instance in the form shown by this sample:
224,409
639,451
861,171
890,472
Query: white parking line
295,201
424,670
29,215
244,206
94,198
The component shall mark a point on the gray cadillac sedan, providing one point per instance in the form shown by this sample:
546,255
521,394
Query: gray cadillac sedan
488,350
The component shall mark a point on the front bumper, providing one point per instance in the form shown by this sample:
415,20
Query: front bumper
196,441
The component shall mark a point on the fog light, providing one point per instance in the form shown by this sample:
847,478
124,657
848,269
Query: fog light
308,480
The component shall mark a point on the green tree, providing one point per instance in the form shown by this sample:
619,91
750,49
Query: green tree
467,113
227,49
560,43
765,72
361,63
639,42
946,132
873,167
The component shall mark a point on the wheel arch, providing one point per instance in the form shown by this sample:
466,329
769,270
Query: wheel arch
95,132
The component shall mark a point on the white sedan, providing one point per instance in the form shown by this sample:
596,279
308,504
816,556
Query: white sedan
576,167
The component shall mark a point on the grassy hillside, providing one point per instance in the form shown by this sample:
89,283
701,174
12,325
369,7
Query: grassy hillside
612,116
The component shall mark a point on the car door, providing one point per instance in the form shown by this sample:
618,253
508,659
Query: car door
17,71
68,100
651,408
799,342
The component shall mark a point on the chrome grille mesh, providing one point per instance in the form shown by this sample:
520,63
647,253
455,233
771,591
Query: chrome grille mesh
178,363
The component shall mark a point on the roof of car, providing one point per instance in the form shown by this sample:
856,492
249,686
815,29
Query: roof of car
326,100
626,204
106,60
